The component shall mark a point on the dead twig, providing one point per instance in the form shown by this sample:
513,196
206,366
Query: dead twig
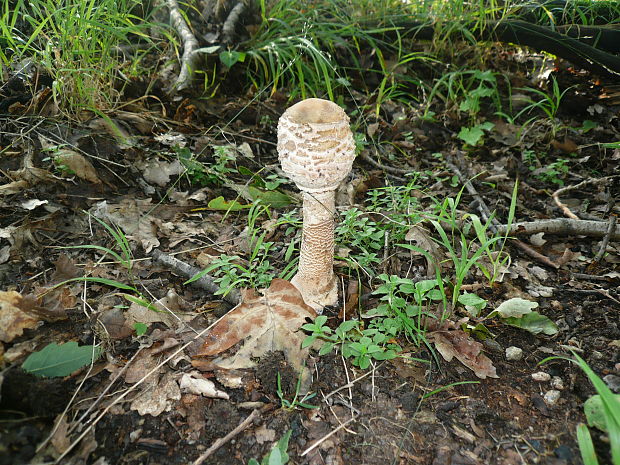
562,206
495,225
328,435
220,442
388,169
610,229
186,270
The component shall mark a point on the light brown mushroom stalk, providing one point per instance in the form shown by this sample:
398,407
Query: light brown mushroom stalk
316,150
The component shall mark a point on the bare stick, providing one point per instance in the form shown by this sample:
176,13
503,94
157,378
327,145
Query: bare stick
611,228
495,226
187,271
220,442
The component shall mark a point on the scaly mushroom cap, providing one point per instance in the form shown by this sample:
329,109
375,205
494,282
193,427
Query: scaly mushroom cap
315,144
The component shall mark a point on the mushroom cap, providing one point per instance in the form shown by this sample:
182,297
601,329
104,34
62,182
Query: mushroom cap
315,144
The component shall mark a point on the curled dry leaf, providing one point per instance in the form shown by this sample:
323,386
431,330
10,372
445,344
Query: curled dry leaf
457,343
195,384
265,323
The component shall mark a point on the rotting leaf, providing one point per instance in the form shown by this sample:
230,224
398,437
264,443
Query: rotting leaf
457,343
422,238
132,216
265,323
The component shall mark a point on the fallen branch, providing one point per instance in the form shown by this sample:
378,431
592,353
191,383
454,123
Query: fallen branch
230,25
187,271
562,226
190,44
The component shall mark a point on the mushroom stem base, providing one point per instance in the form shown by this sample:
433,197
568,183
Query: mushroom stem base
315,277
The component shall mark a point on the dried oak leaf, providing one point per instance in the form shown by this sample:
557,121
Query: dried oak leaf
265,323
457,343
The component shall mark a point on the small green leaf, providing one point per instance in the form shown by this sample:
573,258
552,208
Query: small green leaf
60,360
326,348
140,329
208,50
533,322
587,126
595,411
308,341
515,307
219,203
473,136
229,58
472,303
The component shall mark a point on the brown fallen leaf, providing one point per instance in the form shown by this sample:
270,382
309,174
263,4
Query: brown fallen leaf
265,323
423,240
78,164
457,343
566,146
14,316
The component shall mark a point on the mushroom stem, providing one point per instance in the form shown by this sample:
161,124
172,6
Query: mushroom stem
315,277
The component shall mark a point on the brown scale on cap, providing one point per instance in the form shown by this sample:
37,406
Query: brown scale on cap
316,150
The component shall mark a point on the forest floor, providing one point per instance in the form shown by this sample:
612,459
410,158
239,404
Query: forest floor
156,178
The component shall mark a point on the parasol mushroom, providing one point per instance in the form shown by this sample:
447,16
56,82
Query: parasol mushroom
316,150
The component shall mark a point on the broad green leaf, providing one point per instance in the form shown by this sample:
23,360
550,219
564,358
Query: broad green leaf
229,58
471,136
60,360
515,307
533,322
